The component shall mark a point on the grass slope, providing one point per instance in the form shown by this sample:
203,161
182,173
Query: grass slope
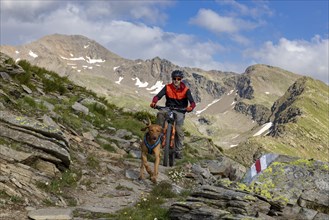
305,135
269,83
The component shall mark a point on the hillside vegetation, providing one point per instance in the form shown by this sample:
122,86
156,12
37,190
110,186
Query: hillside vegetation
300,125
55,89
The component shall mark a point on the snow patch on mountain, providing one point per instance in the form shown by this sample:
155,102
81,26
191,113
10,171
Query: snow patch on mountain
156,88
73,59
213,102
88,60
139,83
91,61
32,54
119,81
264,128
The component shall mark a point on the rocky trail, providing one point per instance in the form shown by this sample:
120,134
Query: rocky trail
114,187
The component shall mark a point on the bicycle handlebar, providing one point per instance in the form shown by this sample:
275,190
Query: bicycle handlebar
183,110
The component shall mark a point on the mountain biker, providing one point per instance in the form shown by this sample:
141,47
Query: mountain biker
177,95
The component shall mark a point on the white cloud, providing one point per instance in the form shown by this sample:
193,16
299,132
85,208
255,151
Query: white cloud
214,22
299,56
150,42
147,11
221,24
26,11
218,24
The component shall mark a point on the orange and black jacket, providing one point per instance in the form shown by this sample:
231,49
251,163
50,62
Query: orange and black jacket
178,98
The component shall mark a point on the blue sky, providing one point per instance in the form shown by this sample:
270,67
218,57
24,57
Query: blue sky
223,35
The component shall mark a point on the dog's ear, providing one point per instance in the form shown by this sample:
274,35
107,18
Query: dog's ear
148,123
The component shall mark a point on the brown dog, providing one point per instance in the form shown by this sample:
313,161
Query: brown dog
151,144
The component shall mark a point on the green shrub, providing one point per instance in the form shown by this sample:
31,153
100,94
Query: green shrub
92,162
28,105
3,194
187,133
163,189
16,199
72,121
29,101
10,61
108,147
24,78
129,123
57,186
149,207
97,108
121,187
144,115
53,85
25,65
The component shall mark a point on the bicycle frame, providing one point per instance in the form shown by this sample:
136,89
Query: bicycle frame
169,133
169,119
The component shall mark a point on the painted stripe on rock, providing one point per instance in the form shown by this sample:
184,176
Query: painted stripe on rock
258,167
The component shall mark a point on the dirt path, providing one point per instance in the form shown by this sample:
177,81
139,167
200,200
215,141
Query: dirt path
117,190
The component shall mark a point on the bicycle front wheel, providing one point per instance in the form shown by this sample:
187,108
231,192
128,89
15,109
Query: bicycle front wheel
167,146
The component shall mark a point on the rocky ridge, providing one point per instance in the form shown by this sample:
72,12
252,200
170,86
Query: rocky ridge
290,188
299,125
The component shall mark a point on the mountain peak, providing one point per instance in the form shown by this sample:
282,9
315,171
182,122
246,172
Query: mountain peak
74,44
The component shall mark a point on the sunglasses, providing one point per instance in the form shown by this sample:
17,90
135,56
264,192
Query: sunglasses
177,78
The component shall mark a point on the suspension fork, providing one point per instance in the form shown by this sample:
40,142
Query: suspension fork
164,134
173,132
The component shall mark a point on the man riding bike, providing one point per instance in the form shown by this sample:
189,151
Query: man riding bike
177,95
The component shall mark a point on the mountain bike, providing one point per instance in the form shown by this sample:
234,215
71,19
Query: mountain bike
169,132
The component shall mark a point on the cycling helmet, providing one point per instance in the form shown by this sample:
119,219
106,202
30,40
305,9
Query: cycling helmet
177,73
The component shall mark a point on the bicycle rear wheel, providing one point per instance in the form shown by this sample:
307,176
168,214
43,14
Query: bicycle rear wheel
172,155
167,146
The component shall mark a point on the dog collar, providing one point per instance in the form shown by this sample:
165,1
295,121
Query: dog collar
151,147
